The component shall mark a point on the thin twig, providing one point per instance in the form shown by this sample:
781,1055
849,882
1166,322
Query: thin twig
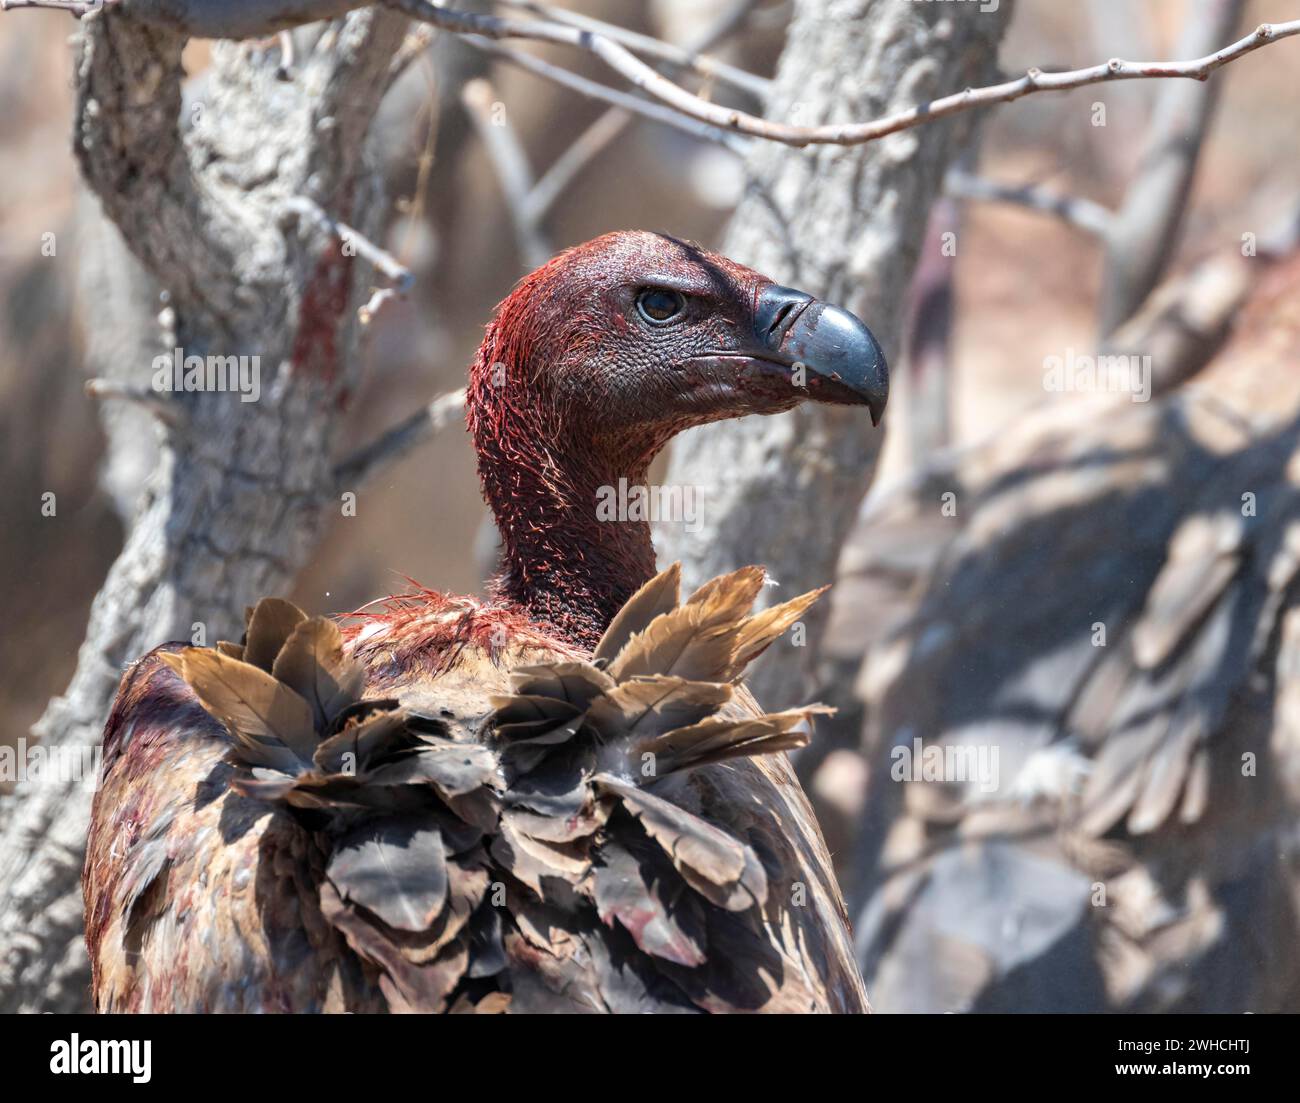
566,167
1083,214
166,411
417,41
643,76
383,261
615,120
691,107
680,57
511,164
530,202
595,90
392,445
78,8
378,297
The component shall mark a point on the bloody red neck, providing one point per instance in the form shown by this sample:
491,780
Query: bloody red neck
542,465
558,562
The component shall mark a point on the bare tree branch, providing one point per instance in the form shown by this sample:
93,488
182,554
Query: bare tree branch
418,39
512,168
400,440
1144,232
530,202
1082,214
233,19
234,506
643,76
614,121
568,165
145,397
254,18
72,7
692,58
595,90
356,243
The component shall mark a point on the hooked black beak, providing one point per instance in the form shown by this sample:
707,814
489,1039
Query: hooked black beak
844,362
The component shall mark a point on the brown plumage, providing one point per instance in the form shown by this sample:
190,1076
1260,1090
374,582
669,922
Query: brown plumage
1116,610
559,799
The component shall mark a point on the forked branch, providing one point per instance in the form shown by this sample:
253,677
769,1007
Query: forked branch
207,17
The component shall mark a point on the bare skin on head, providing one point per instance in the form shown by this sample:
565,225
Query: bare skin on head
595,362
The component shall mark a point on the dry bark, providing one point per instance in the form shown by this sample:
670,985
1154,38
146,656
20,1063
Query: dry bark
236,503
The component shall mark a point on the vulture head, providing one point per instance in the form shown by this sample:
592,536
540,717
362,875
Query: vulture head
403,783
594,362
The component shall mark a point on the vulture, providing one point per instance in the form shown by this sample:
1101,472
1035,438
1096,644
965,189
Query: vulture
559,798
1114,612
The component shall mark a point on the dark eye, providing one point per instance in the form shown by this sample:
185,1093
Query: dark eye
659,305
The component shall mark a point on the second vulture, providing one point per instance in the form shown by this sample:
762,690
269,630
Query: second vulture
559,798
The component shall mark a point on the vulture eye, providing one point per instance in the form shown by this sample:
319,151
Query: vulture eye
658,305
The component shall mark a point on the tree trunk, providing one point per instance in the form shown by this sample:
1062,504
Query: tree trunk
209,198
1143,235
844,223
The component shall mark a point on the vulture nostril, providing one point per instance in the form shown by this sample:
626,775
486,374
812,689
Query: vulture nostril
779,322
778,309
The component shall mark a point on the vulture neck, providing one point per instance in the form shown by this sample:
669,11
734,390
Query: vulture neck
563,564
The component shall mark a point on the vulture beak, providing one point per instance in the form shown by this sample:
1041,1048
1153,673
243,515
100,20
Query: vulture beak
844,361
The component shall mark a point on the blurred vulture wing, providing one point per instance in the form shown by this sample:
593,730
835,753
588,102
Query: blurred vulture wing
1107,625
614,835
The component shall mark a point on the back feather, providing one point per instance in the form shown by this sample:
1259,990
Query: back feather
471,867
